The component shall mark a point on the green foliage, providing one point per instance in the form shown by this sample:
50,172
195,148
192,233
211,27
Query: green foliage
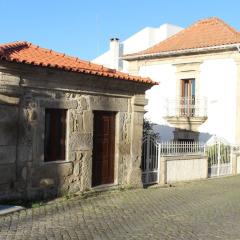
212,153
148,128
37,204
69,196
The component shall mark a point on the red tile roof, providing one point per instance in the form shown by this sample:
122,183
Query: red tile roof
209,32
27,53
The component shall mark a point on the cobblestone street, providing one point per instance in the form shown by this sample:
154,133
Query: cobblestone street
200,210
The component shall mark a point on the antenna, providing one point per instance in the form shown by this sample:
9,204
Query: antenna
97,34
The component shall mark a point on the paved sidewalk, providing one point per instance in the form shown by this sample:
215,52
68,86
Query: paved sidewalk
200,210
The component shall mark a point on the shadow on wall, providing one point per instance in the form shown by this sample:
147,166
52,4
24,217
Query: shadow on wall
166,133
204,137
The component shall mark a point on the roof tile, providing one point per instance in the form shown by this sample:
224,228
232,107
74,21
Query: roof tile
204,33
28,53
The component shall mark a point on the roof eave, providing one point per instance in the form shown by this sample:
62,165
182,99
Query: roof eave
181,52
129,78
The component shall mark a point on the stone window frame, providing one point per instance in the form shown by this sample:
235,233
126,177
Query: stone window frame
40,130
59,114
184,71
189,70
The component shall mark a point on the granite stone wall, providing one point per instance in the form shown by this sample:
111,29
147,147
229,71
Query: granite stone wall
8,144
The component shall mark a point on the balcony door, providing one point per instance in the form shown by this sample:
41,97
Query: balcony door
187,102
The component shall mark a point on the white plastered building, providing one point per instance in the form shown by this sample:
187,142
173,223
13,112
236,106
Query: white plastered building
198,70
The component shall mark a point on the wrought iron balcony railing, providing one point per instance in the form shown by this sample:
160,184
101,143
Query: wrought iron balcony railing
186,107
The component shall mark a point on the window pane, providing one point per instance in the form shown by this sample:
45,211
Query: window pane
188,88
55,134
193,87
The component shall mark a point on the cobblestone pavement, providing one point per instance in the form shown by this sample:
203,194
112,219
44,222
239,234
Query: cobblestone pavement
199,210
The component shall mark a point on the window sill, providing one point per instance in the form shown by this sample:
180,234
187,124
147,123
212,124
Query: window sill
55,162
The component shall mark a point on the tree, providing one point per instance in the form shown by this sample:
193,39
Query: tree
148,128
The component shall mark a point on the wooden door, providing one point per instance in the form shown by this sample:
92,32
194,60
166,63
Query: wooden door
103,148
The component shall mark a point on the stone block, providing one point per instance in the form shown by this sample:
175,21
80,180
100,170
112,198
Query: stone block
7,154
80,142
24,153
64,169
109,103
7,173
83,104
24,173
45,182
88,121
135,178
9,79
8,125
55,170
138,103
67,104
6,99
76,121
124,148
86,173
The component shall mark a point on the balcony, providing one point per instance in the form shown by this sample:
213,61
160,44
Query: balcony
186,113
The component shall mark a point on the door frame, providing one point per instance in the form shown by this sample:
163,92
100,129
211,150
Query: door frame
116,150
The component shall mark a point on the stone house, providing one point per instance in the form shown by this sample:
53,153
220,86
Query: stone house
198,68
66,125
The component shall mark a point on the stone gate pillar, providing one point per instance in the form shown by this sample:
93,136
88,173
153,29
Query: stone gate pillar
138,103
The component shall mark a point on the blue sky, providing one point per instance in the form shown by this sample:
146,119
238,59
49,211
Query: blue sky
83,28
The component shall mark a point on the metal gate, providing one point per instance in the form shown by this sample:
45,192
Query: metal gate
219,159
150,160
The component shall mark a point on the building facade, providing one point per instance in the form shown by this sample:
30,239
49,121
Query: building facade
199,74
66,125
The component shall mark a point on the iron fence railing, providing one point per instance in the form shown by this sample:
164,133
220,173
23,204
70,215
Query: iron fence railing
219,156
176,148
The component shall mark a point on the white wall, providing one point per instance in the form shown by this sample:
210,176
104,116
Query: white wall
148,37
238,165
104,59
165,75
186,168
139,41
218,79
217,83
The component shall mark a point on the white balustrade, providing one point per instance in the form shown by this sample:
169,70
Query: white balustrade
186,107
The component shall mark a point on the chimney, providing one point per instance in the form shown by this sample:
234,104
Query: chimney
114,53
